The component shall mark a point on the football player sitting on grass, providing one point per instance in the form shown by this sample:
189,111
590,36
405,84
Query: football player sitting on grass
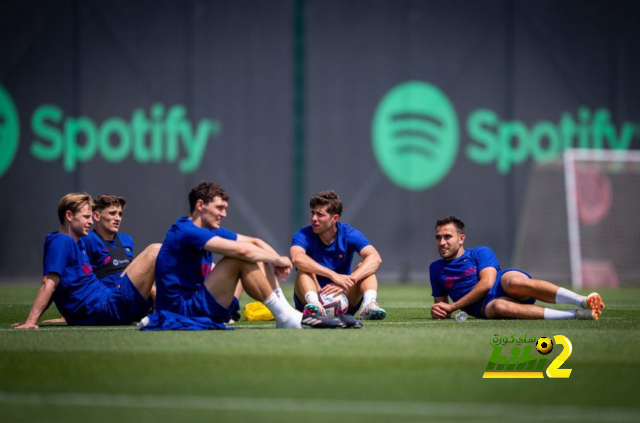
108,250
323,252
69,280
477,285
188,286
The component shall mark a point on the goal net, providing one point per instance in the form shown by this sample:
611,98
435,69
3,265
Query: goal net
580,224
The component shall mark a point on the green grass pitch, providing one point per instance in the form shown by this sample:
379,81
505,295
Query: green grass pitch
407,368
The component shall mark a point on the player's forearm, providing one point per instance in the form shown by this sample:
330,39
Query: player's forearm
41,303
369,266
263,245
476,294
257,254
306,264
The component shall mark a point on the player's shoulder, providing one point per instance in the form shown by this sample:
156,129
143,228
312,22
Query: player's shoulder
436,264
344,227
57,238
481,250
347,229
125,239
91,238
184,224
305,231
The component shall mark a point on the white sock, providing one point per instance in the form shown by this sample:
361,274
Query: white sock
552,314
286,316
312,297
564,296
368,296
283,300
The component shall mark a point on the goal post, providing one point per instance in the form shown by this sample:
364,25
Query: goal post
580,224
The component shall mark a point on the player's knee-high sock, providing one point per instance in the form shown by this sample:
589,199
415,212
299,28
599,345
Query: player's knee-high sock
286,316
552,314
368,296
564,296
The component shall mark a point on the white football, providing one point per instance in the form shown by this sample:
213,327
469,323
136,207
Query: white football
334,303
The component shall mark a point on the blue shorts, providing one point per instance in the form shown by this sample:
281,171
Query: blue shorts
497,291
352,310
202,304
122,304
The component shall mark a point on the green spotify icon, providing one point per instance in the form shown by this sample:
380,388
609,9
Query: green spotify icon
415,135
9,130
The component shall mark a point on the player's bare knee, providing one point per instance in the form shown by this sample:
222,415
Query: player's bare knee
514,282
504,309
152,250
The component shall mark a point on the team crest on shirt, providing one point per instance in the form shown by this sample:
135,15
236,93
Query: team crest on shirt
86,268
106,260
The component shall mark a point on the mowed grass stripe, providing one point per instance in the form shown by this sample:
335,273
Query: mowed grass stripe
343,407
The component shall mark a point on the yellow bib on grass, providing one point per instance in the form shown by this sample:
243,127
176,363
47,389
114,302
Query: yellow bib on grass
256,311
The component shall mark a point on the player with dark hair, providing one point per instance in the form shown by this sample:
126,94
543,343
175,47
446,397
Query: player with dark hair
187,284
109,250
323,253
70,283
477,285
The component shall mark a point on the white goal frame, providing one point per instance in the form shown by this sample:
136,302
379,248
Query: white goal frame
570,157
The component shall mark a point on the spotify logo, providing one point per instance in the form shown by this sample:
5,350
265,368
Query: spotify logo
9,131
415,135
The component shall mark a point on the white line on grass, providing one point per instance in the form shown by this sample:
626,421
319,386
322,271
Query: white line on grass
264,325
255,326
281,405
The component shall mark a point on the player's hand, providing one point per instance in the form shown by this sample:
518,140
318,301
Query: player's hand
343,281
281,273
441,310
24,325
283,261
331,288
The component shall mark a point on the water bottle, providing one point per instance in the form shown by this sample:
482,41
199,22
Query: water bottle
461,316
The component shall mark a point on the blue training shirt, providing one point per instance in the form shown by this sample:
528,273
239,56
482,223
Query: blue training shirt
99,255
183,263
79,292
339,255
457,277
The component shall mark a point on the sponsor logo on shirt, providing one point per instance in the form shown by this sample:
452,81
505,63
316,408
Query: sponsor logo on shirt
450,280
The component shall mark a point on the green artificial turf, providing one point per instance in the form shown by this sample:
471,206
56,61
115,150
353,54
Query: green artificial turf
405,368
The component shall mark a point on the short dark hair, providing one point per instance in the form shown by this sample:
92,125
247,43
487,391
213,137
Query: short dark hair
457,222
104,201
329,198
206,191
